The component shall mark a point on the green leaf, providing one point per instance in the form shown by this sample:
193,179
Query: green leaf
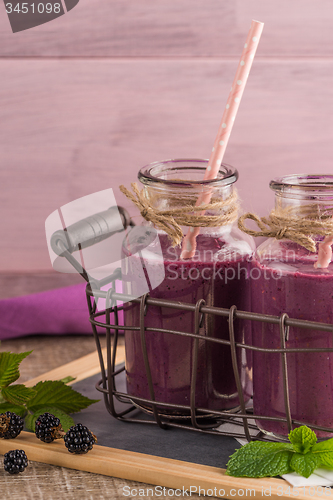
65,420
303,439
9,366
30,422
19,410
324,452
59,395
259,459
17,394
304,464
68,379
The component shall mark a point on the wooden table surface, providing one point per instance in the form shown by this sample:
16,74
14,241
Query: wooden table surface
44,482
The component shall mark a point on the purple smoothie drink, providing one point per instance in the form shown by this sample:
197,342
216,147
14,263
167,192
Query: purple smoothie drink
220,284
218,275
303,294
284,280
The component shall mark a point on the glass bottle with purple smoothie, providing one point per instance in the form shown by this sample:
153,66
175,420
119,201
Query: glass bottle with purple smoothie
218,274
285,278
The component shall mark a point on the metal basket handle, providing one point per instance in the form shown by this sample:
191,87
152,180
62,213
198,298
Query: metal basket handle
88,232
91,230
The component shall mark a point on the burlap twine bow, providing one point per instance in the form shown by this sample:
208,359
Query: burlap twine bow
298,224
186,213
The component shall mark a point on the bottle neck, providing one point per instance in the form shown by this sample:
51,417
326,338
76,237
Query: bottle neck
163,197
178,187
304,194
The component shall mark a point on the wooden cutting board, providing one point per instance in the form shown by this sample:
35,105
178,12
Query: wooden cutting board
149,469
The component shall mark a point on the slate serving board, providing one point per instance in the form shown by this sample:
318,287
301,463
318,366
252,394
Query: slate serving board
178,444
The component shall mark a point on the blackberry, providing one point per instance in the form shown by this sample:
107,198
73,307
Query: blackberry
10,425
79,439
15,461
48,428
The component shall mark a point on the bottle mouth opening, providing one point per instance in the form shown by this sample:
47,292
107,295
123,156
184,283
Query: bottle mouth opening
306,186
187,173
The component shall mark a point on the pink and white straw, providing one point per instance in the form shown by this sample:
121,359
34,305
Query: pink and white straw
324,253
229,115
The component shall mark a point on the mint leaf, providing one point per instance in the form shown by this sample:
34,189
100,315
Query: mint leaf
259,459
302,448
324,452
65,420
9,367
304,464
17,394
303,439
59,395
19,410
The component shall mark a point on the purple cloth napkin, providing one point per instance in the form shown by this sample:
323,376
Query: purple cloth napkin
60,311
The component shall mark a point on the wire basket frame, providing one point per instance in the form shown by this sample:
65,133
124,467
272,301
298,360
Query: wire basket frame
98,227
243,417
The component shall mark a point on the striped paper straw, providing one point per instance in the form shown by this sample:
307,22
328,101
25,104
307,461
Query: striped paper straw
324,253
228,118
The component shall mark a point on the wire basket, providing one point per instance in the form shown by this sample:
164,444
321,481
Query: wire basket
239,422
242,418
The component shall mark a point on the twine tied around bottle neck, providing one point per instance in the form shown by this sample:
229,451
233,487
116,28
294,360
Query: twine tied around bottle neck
298,224
186,213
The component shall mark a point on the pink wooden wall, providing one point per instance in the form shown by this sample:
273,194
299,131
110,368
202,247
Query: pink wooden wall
92,96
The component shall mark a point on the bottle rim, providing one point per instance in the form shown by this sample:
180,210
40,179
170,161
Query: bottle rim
155,173
306,186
